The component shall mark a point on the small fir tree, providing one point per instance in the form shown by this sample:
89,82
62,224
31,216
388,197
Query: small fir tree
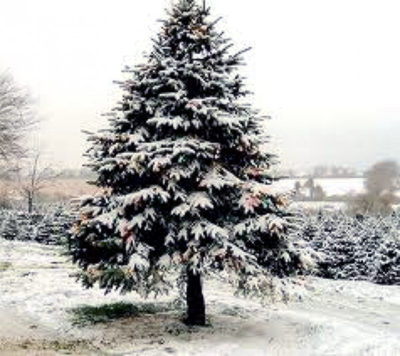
10,227
183,176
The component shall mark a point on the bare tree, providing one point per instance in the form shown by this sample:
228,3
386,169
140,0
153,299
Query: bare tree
16,117
382,177
381,182
33,179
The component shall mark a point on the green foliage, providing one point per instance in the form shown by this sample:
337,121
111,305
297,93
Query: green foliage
5,266
85,315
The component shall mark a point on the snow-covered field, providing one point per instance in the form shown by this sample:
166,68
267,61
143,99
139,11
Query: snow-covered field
37,296
330,186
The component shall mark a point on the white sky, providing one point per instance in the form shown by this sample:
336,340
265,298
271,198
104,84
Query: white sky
327,71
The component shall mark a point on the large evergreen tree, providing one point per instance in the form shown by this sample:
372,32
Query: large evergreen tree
184,176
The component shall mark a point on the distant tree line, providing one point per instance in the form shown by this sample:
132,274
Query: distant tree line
321,171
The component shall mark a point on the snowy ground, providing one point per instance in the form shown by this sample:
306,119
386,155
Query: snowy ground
330,186
37,295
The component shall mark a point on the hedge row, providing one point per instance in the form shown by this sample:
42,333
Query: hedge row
354,247
49,228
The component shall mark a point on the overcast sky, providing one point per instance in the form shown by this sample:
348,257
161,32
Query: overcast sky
326,71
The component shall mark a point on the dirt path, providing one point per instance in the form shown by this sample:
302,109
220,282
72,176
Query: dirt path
37,297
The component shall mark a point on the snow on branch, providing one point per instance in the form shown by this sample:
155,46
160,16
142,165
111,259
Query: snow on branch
219,178
144,196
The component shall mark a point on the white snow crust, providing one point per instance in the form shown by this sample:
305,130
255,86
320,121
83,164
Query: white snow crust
331,317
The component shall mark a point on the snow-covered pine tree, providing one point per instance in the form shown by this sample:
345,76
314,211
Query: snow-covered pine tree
183,176
10,227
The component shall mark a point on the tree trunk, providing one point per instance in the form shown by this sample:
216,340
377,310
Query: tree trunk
30,203
196,310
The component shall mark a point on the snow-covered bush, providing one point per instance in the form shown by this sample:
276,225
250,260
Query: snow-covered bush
49,228
354,247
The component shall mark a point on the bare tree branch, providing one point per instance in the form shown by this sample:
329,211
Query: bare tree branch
16,117
33,179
